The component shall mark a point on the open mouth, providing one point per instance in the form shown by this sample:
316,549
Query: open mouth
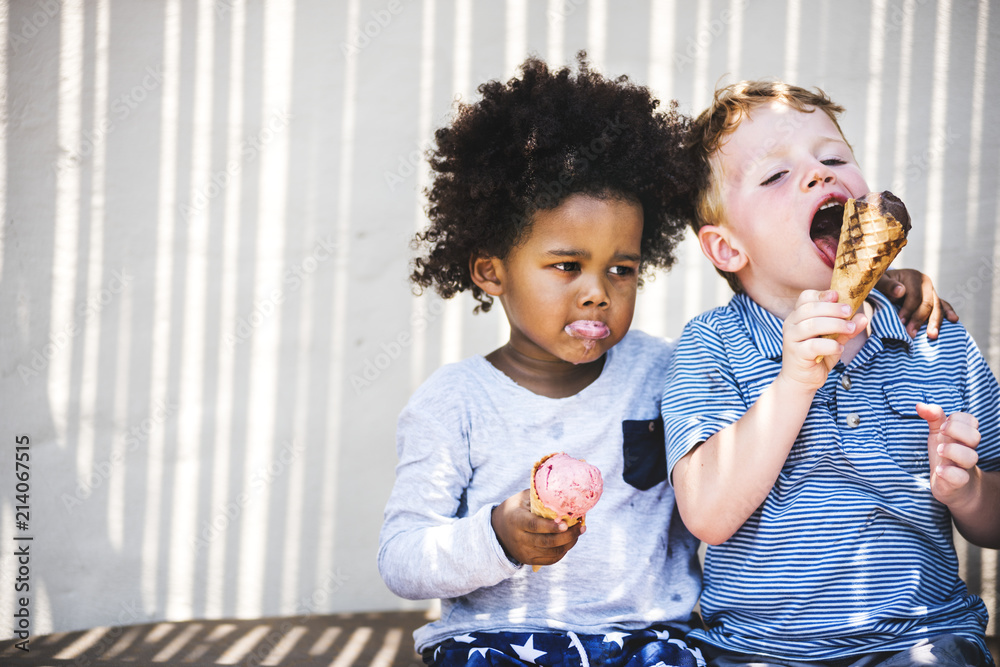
825,229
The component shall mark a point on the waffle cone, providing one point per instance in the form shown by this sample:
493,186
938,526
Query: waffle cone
538,508
870,239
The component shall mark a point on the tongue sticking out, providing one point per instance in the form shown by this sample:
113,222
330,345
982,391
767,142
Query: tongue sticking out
825,231
828,247
588,331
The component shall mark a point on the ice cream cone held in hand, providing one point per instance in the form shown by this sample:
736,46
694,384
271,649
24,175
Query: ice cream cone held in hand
873,232
564,488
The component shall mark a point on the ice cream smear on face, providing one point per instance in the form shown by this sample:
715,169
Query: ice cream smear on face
567,486
588,331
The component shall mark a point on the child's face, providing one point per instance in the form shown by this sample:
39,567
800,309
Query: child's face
578,268
781,167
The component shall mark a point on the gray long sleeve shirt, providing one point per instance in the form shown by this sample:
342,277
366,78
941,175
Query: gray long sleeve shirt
467,440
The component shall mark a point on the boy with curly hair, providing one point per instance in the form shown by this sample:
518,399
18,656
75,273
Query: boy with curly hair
553,194
826,488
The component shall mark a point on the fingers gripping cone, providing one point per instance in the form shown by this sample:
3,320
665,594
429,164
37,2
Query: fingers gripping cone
873,232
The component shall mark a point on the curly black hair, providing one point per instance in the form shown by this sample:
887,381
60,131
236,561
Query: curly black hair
529,144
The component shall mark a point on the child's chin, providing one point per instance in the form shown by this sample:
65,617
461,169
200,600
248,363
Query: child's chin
587,356
822,278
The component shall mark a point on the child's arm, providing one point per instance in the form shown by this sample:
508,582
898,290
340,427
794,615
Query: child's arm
722,481
918,302
431,545
971,494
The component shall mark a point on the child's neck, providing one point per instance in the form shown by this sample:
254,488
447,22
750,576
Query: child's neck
853,346
554,379
782,306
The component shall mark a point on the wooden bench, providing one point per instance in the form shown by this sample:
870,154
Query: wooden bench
339,640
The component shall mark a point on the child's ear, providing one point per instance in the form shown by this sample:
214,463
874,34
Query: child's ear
721,248
487,274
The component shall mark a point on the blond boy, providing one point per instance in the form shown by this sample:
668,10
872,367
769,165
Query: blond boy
826,491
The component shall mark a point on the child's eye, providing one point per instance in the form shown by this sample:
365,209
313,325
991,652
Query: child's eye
567,266
833,161
773,178
622,270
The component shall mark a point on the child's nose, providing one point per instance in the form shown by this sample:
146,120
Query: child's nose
595,293
820,173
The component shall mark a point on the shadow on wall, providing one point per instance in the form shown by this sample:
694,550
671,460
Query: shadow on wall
206,213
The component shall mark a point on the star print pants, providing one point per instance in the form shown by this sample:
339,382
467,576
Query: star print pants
654,647
941,651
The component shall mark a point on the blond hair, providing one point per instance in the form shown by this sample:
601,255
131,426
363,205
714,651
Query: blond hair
730,106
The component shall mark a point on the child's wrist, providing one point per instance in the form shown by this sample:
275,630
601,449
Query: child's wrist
496,533
787,382
966,499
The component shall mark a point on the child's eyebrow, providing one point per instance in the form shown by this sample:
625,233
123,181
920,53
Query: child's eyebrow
567,252
781,149
833,140
583,254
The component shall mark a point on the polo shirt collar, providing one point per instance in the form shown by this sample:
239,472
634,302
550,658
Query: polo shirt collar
885,320
765,329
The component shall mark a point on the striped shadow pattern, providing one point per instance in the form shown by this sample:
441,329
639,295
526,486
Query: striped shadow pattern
338,640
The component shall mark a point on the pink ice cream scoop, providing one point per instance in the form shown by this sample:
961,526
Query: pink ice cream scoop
566,487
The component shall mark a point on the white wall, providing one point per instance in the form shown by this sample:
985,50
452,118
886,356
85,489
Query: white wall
207,330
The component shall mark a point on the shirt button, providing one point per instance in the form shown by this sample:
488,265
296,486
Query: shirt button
853,419
845,382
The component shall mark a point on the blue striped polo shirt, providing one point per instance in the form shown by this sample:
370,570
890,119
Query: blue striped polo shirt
850,553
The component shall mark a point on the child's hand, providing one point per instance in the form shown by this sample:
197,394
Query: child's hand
816,314
951,447
529,538
918,302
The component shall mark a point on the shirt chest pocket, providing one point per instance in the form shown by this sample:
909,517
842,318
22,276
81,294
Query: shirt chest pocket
645,453
905,431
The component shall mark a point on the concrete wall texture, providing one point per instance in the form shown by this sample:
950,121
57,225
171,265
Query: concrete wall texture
207,330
